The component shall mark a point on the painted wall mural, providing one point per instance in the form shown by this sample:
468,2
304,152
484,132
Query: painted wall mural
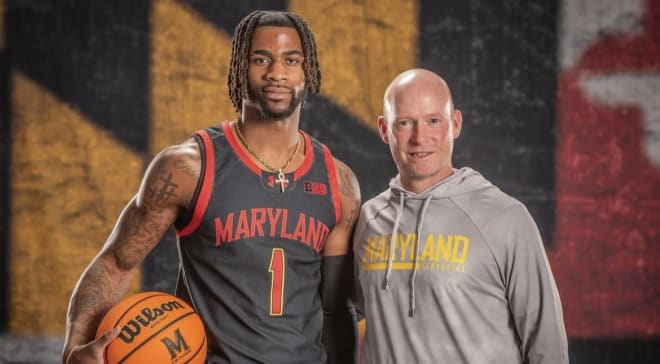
561,106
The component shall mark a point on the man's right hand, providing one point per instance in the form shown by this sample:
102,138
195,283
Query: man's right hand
92,352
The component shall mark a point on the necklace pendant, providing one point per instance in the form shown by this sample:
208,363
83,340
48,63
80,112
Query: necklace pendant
282,180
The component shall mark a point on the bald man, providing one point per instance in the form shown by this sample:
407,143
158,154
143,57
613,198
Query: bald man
450,269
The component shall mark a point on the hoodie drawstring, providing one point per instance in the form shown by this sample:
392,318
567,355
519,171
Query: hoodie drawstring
420,223
388,272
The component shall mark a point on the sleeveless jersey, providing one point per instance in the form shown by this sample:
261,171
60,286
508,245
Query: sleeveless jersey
251,254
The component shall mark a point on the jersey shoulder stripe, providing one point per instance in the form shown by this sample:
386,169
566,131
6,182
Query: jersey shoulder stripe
207,176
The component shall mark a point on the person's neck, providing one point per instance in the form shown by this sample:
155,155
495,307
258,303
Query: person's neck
417,186
272,139
252,121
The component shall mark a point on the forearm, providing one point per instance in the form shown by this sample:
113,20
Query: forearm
339,335
100,287
548,343
531,291
339,321
538,314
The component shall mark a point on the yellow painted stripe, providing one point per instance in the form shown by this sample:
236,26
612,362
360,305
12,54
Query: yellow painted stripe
69,182
362,45
189,65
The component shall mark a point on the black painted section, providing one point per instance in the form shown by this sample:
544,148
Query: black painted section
93,55
500,59
226,15
5,195
351,142
614,351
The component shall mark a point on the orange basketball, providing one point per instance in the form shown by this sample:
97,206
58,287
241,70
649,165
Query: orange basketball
156,327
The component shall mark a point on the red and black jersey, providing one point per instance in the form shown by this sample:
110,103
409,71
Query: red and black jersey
251,254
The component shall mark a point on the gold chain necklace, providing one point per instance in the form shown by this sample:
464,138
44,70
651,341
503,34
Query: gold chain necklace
281,178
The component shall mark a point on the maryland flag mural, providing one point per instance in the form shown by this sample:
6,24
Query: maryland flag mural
561,105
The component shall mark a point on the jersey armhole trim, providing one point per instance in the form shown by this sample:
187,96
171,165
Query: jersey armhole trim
233,141
309,156
334,184
206,188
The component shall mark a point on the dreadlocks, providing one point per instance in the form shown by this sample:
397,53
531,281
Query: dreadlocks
240,48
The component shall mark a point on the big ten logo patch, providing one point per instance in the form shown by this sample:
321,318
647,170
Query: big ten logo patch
315,188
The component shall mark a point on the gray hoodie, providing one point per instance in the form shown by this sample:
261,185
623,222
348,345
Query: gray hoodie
476,289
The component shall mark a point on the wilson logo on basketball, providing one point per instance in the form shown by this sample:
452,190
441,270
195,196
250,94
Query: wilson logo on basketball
315,188
146,317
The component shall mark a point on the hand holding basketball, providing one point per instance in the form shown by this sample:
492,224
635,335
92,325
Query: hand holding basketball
92,352
154,327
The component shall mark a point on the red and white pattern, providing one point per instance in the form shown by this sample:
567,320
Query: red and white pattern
606,256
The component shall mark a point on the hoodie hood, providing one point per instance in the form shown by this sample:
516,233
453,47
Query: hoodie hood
462,181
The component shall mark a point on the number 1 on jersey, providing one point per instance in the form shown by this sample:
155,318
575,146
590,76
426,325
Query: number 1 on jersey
277,282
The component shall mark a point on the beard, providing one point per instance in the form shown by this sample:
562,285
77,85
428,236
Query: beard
257,99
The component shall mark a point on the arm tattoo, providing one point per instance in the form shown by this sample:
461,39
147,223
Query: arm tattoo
350,220
163,189
348,189
186,168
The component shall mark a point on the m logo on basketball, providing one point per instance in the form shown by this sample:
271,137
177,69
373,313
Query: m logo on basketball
177,346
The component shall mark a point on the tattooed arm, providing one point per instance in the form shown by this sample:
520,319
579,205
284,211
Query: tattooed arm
168,185
338,316
338,242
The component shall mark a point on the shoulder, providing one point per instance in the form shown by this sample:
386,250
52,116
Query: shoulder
184,158
371,207
346,178
487,202
502,220
372,210
172,175
489,208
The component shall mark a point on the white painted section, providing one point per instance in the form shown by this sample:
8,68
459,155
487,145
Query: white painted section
640,90
582,22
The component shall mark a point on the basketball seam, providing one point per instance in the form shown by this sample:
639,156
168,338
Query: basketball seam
199,349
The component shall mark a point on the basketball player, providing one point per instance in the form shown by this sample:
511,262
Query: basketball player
263,215
451,269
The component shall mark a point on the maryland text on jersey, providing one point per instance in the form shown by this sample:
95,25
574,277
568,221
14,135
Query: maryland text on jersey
272,223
